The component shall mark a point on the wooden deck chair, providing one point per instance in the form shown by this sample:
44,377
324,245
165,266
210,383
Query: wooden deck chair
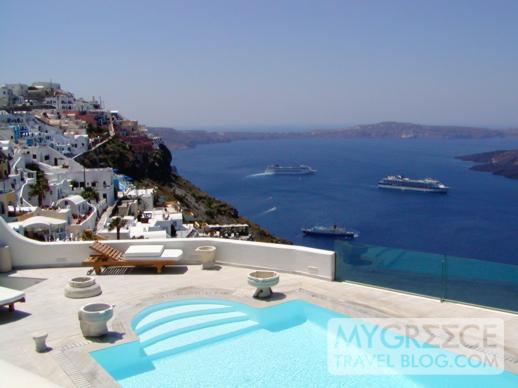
106,256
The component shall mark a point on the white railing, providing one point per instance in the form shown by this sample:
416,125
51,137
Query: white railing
21,196
27,253
90,221
15,165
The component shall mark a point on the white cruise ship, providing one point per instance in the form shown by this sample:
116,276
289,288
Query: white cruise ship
400,182
276,169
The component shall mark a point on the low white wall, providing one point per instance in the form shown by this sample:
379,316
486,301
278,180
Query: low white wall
28,253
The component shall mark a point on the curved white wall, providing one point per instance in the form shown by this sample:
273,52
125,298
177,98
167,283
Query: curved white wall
288,258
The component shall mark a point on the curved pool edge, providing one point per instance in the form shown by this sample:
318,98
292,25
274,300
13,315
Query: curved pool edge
294,312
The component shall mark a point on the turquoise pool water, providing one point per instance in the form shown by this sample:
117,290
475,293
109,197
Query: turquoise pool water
219,343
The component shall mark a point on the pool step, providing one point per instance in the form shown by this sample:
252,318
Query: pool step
196,337
180,326
178,312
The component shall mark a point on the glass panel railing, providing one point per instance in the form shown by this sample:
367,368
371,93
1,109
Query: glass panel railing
481,282
453,278
399,269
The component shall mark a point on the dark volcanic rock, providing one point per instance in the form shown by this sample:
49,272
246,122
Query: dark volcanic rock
154,170
503,162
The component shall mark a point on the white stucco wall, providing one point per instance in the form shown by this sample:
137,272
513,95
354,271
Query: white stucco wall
287,258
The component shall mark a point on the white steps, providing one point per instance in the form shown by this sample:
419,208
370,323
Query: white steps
177,312
175,329
193,339
185,325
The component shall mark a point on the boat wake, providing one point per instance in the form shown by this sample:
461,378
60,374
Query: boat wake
257,175
271,210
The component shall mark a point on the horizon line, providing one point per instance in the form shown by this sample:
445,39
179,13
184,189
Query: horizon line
304,127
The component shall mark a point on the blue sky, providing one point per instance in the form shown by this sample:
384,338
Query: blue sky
273,64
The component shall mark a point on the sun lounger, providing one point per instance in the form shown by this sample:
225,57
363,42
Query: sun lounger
8,297
135,256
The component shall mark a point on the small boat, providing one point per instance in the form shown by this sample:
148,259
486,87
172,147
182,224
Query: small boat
330,231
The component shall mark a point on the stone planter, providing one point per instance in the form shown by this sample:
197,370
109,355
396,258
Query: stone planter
82,287
263,281
40,343
207,256
93,319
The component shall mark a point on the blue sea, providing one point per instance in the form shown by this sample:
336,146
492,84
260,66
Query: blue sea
478,218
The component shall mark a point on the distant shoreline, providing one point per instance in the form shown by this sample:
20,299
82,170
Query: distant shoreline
182,139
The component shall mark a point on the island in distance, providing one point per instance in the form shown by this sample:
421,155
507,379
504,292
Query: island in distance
180,139
503,162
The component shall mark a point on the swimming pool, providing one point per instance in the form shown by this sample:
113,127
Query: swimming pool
221,343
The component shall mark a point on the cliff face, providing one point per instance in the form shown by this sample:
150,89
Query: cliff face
504,162
119,155
154,170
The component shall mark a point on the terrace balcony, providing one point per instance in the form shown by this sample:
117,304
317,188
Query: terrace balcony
43,270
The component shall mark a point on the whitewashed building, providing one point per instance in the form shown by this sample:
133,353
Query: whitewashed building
65,175
62,101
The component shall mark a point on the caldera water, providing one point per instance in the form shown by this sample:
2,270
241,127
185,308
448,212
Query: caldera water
478,218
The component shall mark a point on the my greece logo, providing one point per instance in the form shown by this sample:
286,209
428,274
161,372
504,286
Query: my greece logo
419,346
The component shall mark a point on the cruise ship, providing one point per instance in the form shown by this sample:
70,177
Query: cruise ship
400,182
276,169
330,231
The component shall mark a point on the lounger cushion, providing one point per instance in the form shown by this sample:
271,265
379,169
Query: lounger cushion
8,295
143,251
172,254
168,254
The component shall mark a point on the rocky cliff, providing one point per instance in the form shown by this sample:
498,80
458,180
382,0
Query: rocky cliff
154,170
503,162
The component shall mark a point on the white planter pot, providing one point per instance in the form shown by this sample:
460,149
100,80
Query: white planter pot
82,287
40,343
93,318
263,281
81,282
207,255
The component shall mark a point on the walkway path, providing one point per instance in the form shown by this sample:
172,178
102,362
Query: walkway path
95,146
104,217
